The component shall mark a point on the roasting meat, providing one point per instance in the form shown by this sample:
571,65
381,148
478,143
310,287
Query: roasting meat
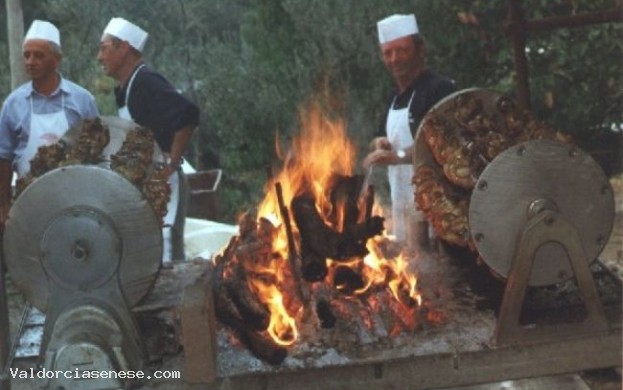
93,138
134,160
463,136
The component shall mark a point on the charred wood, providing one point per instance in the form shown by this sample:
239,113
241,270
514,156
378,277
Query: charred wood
345,196
254,312
234,298
263,347
294,260
313,266
347,281
320,242
226,310
325,314
230,313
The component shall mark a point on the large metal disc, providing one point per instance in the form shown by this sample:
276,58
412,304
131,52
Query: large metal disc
77,227
536,173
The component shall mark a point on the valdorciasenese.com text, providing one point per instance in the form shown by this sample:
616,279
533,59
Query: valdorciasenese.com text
31,373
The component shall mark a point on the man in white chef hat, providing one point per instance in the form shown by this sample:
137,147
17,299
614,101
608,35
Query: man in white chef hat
40,111
417,89
147,98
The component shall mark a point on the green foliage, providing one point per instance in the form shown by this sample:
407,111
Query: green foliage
252,64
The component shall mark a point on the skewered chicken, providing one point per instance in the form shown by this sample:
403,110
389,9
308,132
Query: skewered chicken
464,134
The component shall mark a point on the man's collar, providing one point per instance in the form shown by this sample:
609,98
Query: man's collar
62,86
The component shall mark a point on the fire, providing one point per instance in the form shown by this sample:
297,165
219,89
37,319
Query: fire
282,327
321,151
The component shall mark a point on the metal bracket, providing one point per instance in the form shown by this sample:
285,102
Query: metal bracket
547,226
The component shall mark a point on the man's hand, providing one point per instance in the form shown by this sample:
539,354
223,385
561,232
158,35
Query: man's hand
380,143
164,173
381,157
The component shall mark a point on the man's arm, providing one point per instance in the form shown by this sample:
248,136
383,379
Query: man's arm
180,141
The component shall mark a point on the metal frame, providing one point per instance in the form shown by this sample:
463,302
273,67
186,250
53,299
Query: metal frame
546,227
439,370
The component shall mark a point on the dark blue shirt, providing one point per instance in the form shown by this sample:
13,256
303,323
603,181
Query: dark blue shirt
154,103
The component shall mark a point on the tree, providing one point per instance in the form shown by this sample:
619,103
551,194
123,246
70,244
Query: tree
250,65
15,35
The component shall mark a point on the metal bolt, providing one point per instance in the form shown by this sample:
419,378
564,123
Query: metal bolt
79,252
539,205
549,220
573,152
479,237
483,185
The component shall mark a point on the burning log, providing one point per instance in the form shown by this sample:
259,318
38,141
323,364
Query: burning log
236,307
323,306
396,316
237,304
324,313
263,347
254,312
347,281
320,242
344,196
234,299
260,345
293,258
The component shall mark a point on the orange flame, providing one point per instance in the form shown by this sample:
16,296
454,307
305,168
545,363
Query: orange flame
282,327
321,151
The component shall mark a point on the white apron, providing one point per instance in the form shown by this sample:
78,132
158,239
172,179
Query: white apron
169,218
400,176
45,129
124,112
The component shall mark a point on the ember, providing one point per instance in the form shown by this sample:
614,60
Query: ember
332,265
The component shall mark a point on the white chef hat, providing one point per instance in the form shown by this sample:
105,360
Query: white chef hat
40,29
396,26
126,31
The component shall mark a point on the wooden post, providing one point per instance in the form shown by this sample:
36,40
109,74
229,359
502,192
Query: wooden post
199,333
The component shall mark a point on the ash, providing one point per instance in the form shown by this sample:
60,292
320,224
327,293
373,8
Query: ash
456,322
